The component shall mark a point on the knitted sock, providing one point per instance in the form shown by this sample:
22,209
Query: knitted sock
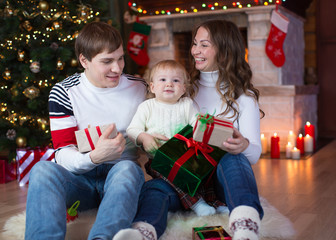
223,210
139,231
201,208
244,223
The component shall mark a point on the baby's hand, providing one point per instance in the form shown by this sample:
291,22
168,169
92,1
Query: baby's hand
150,142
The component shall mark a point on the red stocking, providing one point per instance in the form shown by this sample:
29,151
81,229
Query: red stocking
137,43
276,38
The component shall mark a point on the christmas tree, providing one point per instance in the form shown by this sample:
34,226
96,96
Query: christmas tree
36,51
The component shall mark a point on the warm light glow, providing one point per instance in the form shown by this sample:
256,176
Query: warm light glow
262,135
308,124
300,135
275,134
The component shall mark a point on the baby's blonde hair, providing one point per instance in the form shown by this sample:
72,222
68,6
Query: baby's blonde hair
167,64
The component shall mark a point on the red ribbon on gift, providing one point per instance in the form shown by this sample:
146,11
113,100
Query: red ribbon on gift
194,147
89,137
210,123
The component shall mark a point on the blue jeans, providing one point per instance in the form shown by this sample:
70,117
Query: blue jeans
113,189
235,185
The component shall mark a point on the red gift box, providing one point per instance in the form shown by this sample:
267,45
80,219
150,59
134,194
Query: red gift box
212,130
27,158
8,171
210,233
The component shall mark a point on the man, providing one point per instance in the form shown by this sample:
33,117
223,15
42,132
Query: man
108,177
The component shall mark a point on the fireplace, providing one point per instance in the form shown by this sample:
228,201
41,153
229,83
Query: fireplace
287,102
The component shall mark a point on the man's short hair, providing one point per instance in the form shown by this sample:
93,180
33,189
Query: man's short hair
95,38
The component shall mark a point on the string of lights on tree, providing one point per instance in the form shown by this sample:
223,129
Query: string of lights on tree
36,51
200,6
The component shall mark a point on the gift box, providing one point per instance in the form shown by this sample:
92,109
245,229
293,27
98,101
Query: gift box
27,158
212,130
88,137
8,171
185,162
210,233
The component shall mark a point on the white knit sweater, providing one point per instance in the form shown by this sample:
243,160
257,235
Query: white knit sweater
248,122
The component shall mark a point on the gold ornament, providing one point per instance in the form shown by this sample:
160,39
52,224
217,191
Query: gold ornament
31,92
35,67
74,62
83,12
21,142
7,74
60,65
44,5
57,25
14,91
21,55
26,25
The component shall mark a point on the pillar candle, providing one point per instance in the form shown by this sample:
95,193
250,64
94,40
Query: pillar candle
289,148
310,129
291,138
275,146
300,143
295,153
308,144
263,143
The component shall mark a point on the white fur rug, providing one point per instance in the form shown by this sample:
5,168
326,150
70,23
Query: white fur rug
273,226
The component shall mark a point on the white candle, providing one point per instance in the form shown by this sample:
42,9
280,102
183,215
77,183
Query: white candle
289,148
291,138
295,153
308,144
263,143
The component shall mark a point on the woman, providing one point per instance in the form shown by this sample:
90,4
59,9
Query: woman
222,83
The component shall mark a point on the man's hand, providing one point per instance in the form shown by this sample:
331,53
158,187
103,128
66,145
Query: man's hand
150,142
237,143
108,149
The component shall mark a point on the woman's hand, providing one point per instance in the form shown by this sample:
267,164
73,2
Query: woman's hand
150,142
237,143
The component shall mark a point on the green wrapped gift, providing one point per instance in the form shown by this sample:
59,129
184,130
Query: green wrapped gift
185,162
210,233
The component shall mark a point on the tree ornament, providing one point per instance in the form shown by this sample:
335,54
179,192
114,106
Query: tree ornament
26,25
21,142
14,91
7,74
54,46
8,12
21,55
60,65
83,12
57,25
35,67
44,5
74,62
31,92
75,35
11,134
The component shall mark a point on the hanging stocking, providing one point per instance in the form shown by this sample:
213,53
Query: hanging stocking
137,43
276,38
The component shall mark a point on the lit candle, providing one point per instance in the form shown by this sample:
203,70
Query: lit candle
275,146
263,143
289,148
308,144
295,153
300,143
291,138
310,129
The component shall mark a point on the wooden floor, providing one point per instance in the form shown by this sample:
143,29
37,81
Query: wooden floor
303,190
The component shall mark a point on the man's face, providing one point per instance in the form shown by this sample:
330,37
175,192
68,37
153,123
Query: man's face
105,68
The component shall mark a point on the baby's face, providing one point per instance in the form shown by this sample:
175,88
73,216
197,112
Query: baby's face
168,85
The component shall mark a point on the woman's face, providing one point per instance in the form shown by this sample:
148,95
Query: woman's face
204,51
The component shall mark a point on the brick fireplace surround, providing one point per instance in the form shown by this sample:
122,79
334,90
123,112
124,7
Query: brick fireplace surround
286,101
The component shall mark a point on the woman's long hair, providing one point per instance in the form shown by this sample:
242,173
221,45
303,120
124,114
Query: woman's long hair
235,74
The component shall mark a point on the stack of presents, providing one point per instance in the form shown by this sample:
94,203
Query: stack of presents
187,159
